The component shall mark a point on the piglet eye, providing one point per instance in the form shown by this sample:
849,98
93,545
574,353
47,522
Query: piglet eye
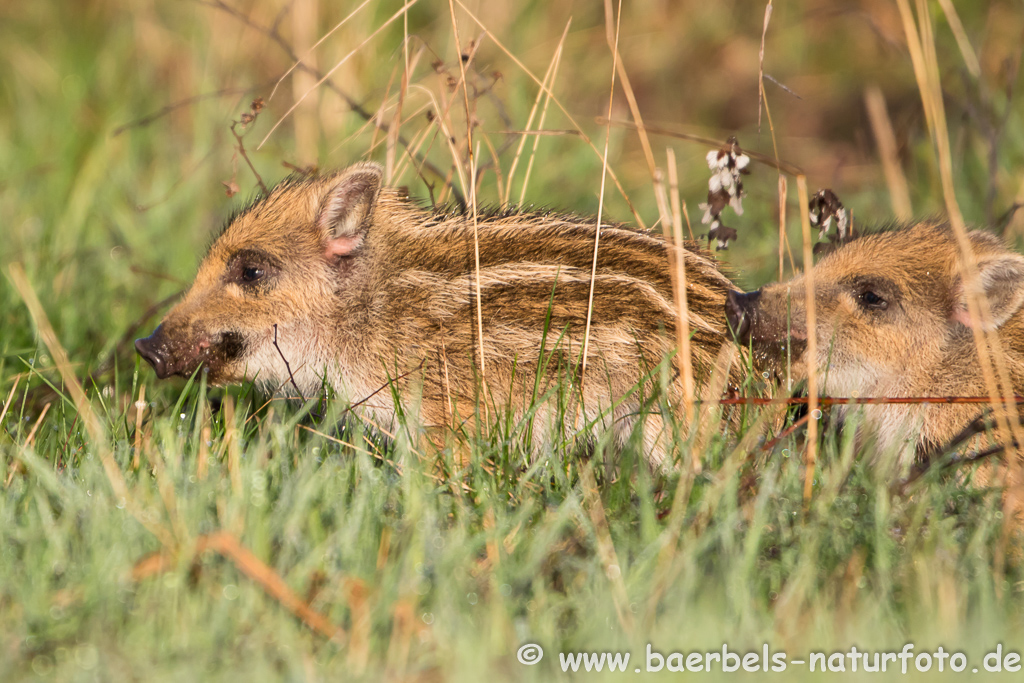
252,274
871,300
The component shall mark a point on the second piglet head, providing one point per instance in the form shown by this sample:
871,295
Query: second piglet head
891,313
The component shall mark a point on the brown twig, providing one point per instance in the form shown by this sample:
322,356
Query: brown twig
902,486
287,366
256,106
274,35
784,166
385,386
173,106
787,433
229,547
880,400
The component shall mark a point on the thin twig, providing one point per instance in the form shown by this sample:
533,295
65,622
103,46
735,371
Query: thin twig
274,35
241,150
954,461
173,106
881,400
787,433
784,166
229,547
385,386
287,366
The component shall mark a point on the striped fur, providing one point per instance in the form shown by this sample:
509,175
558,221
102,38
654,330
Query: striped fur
400,302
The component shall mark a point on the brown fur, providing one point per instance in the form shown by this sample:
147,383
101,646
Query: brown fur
918,343
365,286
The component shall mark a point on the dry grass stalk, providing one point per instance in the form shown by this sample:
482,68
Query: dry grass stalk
403,628
993,365
671,223
549,84
93,426
229,547
678,274
471,193
165,487
612,37
307,59
10,398
358,594
39,420
762,104
140,409
673,190
600,201
962,42
307,134
661,199
783,242
811,454
760,63
888,152
203,459
396,120
606,549
586,138
394,17
231,446
978,305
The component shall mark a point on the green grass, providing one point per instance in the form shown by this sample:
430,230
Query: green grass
444,579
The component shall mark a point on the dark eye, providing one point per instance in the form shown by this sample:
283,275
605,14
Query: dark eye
252,269
252,274
871,300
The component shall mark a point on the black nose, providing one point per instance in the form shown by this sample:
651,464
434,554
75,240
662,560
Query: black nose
739,310
154,349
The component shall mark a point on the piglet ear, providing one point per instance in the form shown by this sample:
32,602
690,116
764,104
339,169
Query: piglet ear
1002,283
347,207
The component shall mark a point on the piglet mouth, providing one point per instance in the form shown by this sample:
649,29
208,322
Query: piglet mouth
740,310
749,325
182,355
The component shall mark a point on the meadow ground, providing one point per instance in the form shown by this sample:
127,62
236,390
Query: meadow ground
213,535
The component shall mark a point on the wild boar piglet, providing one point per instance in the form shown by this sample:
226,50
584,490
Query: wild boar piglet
892,321
355,285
